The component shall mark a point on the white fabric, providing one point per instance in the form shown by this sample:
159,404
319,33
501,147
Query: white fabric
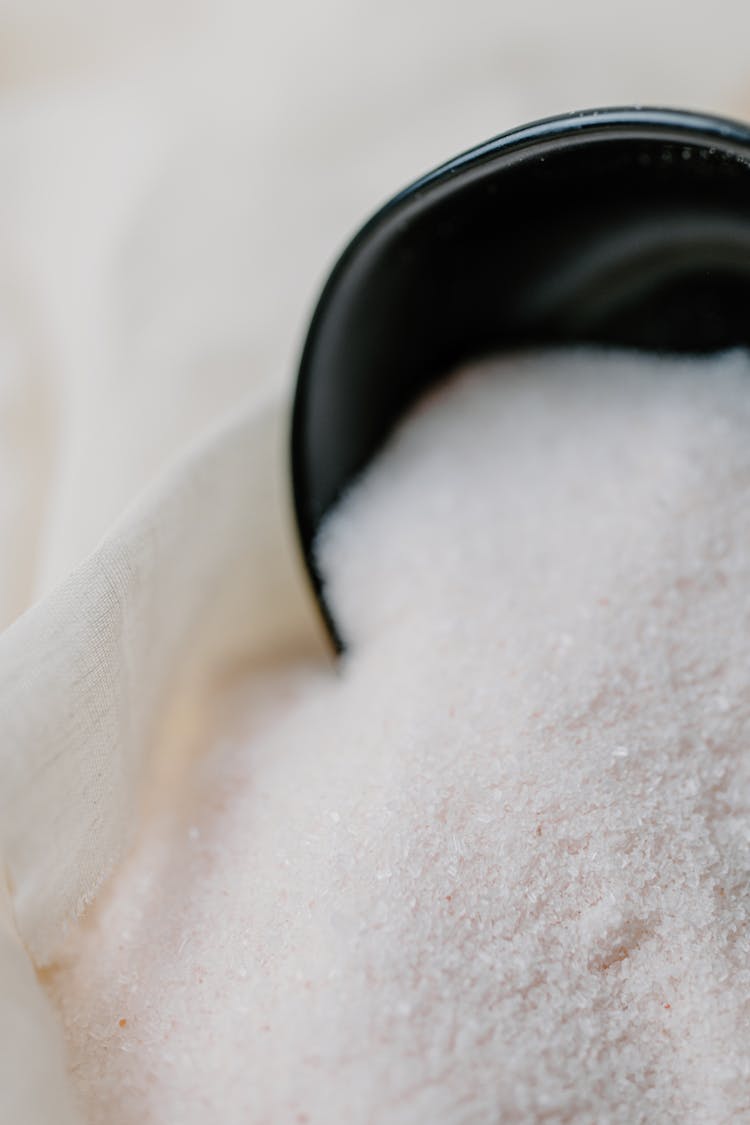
174,181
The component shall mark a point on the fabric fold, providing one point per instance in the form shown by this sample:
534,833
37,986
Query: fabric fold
200,573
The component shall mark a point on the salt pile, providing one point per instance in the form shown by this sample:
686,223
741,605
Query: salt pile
499,868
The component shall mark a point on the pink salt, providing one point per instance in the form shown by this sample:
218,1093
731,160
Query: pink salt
498,867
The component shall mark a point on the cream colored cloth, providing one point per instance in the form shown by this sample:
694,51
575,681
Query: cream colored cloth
174,182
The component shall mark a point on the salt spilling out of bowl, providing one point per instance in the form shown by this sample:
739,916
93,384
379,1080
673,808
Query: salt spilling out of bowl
498,867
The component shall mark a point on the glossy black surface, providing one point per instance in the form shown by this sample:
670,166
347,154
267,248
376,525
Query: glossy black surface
628,227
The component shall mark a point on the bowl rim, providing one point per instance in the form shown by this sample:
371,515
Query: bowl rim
726,134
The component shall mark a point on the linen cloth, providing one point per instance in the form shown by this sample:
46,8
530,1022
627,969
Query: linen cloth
174,182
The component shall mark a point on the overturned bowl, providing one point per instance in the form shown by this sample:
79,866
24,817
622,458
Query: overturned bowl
623,227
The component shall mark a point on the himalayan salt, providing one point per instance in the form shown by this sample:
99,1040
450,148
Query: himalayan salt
498,868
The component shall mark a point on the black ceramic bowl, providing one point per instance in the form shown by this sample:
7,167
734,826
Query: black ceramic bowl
626,227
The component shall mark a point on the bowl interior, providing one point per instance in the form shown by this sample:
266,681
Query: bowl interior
627,228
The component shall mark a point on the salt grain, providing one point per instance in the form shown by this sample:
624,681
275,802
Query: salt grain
538,744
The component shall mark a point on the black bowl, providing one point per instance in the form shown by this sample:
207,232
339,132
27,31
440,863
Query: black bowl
625,227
